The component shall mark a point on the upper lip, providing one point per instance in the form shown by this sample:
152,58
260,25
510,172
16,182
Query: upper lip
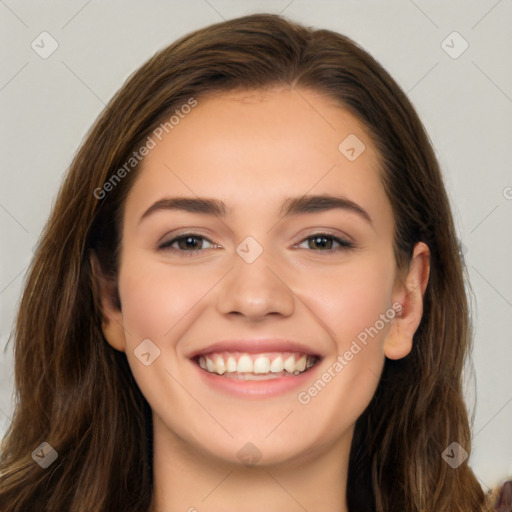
255,346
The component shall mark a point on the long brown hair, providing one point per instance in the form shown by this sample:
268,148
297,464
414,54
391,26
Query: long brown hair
77,394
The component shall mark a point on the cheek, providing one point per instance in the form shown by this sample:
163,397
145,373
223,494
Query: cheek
350,299
155,298
351,307
352,304
157,304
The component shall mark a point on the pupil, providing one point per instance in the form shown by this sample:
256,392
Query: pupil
320,243
189,241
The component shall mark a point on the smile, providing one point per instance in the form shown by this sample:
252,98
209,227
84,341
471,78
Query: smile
254,366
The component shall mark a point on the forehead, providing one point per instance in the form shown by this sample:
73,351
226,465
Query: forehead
260,146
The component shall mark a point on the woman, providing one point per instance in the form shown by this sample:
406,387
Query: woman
198,346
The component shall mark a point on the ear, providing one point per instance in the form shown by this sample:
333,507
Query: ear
106,298
409,292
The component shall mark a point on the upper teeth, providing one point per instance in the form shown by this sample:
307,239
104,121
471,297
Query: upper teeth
256,363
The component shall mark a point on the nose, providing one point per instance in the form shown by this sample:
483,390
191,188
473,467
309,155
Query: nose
255,290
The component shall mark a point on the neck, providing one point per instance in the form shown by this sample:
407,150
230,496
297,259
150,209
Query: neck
188,480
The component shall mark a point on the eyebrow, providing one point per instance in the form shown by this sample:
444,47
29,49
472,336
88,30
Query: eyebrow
291,206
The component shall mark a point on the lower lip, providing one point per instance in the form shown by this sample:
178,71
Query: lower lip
256,388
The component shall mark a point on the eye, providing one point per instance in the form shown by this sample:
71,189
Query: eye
324,242
187,243
192,243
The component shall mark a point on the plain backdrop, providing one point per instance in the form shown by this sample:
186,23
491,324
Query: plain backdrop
463,95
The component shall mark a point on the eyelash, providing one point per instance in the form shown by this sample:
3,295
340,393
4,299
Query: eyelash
344,244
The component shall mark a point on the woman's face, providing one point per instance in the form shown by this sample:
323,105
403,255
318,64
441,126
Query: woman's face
281,260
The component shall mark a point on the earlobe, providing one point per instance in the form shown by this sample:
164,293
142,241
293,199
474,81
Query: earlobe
114,334
410,295
105,296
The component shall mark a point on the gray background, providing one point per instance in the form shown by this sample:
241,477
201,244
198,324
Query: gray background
465,103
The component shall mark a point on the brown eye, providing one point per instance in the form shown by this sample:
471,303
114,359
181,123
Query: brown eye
323,242
189,242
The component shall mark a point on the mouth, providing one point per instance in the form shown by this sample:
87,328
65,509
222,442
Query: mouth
256,368
247,366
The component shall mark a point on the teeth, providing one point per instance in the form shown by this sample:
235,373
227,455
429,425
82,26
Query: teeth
230,364
244,364
210,365
300,365
250,365
220,366
262,365
277,365
289,364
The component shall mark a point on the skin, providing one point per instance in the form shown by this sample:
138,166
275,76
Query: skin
251,150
